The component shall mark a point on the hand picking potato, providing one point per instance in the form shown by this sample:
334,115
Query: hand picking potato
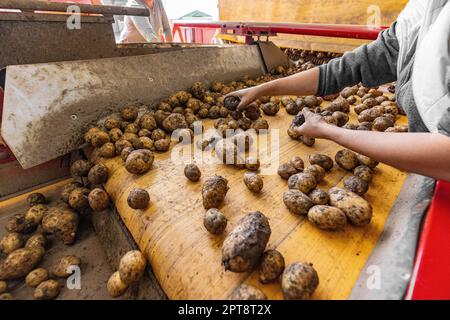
357,209
61,268
35,277
299,281
62,222
363,172
346,159
192,172
316,171
132,266
244,246
214,191
356,184
215,221
11,242
319,197
327,217
116,287
303,181
47,290
36,240
139,161
253,181
297,202
98,200
36,213
322,160
272,266
35,199
20,262
247,292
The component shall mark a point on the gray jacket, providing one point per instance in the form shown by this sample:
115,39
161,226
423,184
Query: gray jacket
391,58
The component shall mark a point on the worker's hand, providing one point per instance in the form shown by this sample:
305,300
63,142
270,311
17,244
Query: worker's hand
247,96
314,127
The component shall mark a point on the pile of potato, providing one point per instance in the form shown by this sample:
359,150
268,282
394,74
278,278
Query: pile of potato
305,60
24,247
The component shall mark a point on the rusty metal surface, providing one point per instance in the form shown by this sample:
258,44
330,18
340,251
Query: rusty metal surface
387,272
47,107
272,55
31,5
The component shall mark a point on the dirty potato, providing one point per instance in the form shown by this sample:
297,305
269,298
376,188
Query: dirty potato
244,246
247,292
297,163
112,122
356,184
192,172
132,266
36,198
129,113
308,141
299,281
215,221
286,170
36,213
270,108
319,197
322,160
98,174
98,200
327,217
367,161
138,199
303,181
68,188
253,181
271,267
80,168
36,277
252,163
47,290
125,153
139,161
99,138
18,223
78,198
122,144
108,150
363,172
36,240
11,242
147,121
214,191
173,122
357,209
62,268
297,202
20,262
115,286
316,171
63,222
346,159
162,145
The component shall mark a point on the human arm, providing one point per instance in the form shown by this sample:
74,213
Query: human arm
167,30
418,152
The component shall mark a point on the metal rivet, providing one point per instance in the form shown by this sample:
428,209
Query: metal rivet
74,117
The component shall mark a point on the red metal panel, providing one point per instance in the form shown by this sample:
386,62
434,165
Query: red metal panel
431,276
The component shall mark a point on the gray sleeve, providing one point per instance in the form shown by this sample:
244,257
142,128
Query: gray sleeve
444,123
165,21
372,64
145,28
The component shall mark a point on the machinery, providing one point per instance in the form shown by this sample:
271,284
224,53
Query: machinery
54,87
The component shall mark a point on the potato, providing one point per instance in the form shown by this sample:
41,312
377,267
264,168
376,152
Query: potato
36,198
340,118
192,172
371,114
304,182
36,240
6,296
327,217
78,198
352,100
115,286
88,135
80,168
270,108
367,161
311,101
19,224
286,170
3,287
297,163
198,90
132,266
319,197
214,191
350,126
36,213
365,126
247,292
363,172
382,123
11,242
297,202
346,159
47,290
112,122
122,144
148,122
271,267
63,222
68,188
139,161
308,141
20,262
61,267
130,137
138,198
357,210
356,184
108,150
98,200
360,108
162,145
129,113
98,174
349,91
322,160
261,126
231,102
99,138
401,128
215,221
144,143
174,121
299,281
252,163
316,171
244,246
36,277
125,153
293,108
253,181
252,111
145,133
